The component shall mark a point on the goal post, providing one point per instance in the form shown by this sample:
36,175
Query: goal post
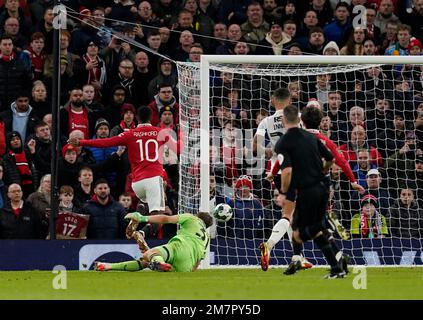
256,77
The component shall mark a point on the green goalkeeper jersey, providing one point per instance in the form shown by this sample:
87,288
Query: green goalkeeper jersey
193,233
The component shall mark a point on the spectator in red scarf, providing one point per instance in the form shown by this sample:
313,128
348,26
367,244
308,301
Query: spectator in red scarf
127,122
369,223
92,68
18,167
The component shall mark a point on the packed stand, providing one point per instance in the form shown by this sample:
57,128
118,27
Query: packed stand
375,115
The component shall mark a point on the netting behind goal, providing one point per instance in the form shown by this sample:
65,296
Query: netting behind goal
374,113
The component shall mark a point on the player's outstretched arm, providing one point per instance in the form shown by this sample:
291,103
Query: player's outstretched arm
160,218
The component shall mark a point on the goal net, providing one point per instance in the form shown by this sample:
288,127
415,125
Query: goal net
373,110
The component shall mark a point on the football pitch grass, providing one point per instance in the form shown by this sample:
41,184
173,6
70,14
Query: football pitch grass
215,284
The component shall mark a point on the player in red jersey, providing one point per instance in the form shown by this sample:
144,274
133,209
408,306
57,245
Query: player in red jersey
145,153
311,118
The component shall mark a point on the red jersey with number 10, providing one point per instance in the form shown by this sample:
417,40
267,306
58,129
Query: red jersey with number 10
145,151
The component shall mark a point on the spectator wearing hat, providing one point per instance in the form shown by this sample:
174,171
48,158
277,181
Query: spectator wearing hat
331,49
67,82
102,131
374,187
18,166
68,166
128,120
275,41
167,118
91,68
165,74
415,47
411,71
369,223
247,221
164,98
406,216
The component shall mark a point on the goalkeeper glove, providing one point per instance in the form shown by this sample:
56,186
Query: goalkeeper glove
137,217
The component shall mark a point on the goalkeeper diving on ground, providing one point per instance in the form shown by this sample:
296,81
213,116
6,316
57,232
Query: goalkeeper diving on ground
183,252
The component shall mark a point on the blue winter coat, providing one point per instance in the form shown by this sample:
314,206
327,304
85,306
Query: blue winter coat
106,221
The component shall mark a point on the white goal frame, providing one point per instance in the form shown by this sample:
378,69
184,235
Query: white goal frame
207,60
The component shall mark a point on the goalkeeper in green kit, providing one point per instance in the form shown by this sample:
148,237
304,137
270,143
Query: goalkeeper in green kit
182,253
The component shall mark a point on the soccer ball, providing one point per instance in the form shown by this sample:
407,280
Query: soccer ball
223,212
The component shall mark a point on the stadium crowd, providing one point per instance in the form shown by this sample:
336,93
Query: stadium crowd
374,115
